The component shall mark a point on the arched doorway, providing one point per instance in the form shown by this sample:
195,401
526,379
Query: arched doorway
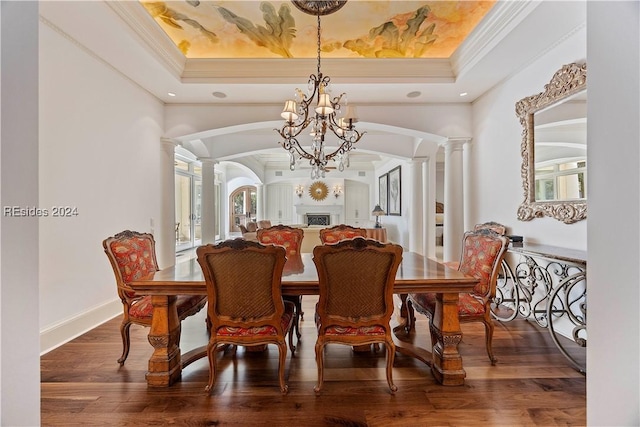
242,206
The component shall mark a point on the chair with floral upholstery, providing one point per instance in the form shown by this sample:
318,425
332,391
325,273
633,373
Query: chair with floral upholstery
245,300
491,225
340,232
356,304
133,256
289,238
482,253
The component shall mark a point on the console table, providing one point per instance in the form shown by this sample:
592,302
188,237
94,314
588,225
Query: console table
548,285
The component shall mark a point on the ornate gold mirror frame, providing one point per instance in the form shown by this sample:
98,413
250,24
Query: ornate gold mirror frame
566,82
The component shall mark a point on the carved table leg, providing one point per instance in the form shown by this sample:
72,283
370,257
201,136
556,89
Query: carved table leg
164,336
445,329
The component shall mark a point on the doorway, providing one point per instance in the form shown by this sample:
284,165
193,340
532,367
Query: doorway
243,204
188,202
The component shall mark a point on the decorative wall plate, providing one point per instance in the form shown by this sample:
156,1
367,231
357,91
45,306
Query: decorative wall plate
318,190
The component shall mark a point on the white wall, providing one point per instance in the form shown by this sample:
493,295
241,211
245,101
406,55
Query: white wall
613,392
447,120
497,135
100,152
19,369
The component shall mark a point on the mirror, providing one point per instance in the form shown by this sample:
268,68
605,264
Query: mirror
554,148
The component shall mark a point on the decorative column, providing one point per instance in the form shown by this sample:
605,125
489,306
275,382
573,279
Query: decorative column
453,198
416,227
467,174
260,201
208,219
429,203
165,227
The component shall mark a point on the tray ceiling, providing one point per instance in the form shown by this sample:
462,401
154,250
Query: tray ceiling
277,29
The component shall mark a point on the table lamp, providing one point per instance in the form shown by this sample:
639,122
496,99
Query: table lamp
377,211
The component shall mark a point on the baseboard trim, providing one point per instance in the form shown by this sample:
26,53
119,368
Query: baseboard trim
63,332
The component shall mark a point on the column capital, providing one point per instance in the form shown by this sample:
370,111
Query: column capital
169,145
208,161
456,142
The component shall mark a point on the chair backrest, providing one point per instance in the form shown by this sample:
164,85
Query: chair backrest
289,238
340,232
132,256
243,283
265,223
356,279
252,226
243,229
482,253
493,226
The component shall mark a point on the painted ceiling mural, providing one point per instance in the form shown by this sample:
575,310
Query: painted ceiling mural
277,29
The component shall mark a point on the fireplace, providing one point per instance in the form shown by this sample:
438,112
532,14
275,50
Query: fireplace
318,219
330,214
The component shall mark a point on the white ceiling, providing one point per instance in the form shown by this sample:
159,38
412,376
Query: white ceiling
122,34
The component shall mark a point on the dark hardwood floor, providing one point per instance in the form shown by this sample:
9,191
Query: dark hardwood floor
532,384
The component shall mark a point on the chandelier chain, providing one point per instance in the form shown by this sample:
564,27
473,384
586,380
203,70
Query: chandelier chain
319,44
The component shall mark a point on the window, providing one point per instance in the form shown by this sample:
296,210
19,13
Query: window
561,181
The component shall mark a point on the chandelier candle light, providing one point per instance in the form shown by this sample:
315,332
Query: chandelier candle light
326,117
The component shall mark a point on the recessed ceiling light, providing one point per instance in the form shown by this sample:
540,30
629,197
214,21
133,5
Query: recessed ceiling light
171,94
414,94
463,94
219,94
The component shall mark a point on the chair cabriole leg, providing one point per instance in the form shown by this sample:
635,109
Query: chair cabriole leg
126,341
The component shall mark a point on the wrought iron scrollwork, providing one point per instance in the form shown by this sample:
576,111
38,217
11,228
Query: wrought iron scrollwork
551,294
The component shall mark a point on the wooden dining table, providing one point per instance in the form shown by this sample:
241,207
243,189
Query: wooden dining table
416,274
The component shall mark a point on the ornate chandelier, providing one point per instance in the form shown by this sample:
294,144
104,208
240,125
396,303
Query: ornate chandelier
325,118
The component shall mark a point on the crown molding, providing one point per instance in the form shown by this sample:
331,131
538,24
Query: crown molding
499,22
356,70
155,40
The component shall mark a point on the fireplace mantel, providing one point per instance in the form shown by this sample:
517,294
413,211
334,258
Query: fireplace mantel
319,209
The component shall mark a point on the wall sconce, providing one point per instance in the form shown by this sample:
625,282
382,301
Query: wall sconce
300,190
337,190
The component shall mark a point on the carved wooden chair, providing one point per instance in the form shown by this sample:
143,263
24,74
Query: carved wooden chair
245,300
340,232
493,226
289,238
356,304
482,253
133,256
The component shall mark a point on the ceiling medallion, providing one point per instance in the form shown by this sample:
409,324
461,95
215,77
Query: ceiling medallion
318,7
318,191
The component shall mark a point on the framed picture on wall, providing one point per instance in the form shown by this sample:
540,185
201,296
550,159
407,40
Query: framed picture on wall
383,194
395,192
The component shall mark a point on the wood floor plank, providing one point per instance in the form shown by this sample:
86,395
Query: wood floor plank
532,384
